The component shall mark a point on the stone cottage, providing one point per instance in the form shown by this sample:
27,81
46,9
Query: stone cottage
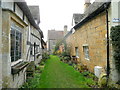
36,37
53,37
20,42
89,39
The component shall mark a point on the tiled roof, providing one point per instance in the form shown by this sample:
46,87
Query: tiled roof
93,10
93,7
77,18
55,35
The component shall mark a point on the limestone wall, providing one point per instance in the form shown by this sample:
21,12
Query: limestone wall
0,48
10,80
92,34
10,18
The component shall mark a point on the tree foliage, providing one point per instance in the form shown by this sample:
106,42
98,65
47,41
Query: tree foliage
115,38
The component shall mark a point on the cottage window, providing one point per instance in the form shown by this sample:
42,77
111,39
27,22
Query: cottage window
53,43
37,48
76,50
86,52
16,43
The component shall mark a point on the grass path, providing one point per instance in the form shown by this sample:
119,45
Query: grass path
57,74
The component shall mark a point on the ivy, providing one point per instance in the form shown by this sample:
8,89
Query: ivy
115,39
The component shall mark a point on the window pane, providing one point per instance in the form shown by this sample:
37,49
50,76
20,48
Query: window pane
12,44
12,59
16,43
31,50
86,52
76,50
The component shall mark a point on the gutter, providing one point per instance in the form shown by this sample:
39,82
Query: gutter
95,13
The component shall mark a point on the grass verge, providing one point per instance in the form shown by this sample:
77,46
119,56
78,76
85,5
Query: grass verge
57,74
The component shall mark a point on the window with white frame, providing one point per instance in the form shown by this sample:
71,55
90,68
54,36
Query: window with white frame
86,52
76,51
16,43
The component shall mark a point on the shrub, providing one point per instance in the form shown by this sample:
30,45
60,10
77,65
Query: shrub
66,56
115,39
45,56
38,56
33,82
42,63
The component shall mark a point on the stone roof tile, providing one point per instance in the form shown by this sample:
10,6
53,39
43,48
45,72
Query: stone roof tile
55,35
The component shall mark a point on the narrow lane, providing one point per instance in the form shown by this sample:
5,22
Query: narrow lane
60,75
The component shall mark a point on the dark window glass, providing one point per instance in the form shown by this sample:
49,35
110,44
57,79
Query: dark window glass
16,43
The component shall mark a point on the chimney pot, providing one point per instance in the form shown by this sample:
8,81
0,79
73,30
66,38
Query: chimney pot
87,1
65,30
86,5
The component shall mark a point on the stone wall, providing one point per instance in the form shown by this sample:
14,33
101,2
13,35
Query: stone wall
0,48
10,76
92,34
6,66
17,80
52,44
10,80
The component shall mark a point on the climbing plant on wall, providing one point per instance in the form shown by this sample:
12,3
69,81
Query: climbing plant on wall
115,39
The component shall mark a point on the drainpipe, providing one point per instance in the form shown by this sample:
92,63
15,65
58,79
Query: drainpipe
108,62
34,50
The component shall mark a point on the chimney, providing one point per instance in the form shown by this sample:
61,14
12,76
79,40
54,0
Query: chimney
86,5
65,30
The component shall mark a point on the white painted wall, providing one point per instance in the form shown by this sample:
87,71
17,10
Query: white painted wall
114,16
38,42
18,11
7,5
115,12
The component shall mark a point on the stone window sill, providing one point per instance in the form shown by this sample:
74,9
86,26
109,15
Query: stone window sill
19,66
87,59
16,62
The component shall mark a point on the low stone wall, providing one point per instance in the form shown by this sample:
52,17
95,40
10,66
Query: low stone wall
19,78
14,81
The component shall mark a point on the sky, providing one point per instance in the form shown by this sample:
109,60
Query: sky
54,14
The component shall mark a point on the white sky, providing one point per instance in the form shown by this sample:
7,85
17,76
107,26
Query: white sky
54,14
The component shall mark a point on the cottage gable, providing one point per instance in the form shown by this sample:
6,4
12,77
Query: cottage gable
76,18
